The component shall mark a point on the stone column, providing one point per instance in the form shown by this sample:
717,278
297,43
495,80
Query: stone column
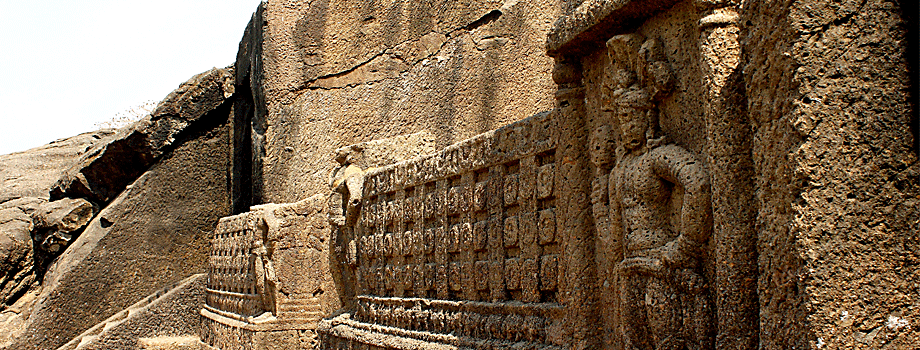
729,149
578,285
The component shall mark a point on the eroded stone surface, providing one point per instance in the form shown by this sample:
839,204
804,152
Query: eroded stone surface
165,320
340,72
269,277
141,242
710,174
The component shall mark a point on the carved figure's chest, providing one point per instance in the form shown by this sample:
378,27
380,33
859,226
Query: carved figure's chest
637,185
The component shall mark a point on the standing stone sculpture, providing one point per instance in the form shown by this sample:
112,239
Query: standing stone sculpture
664,302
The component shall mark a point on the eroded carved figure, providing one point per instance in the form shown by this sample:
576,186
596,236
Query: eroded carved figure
664,302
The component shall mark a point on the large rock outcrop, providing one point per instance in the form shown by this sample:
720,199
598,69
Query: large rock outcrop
160,184
28,177
198,104
150,236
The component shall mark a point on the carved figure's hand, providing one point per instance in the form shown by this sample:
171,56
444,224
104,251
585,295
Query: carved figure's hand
675,254
641,265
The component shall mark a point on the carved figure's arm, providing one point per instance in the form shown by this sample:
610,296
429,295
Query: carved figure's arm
599,199
615,218
677,165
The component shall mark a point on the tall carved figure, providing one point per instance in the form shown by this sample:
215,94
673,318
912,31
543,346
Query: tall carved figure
664,302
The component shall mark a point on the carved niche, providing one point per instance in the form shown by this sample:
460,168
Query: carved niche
653,196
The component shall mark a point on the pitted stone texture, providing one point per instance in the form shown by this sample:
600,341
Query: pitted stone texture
648,69
772,95
344,72
856,214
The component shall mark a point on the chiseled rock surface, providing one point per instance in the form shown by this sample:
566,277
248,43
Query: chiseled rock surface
336,73
856,216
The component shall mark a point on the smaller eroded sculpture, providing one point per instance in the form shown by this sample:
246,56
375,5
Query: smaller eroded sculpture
664,301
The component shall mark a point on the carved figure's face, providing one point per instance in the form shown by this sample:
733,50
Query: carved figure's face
633,124
601,144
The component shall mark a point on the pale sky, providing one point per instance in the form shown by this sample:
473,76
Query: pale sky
66,66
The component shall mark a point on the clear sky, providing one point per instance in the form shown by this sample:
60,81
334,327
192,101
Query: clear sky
68,65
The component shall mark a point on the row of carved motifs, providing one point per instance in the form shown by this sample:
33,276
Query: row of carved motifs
522,192
512,322
529,136
222,336
385,209
231,275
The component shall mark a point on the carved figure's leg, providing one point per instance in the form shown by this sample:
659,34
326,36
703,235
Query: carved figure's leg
664,314
697,310
635,320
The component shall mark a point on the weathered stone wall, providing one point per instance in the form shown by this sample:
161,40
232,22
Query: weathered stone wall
341,72
800,111
269,277
856,215
772,93
701,174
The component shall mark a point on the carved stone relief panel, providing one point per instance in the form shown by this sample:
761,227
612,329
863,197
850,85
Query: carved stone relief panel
654,196
672,251
232,273
463,242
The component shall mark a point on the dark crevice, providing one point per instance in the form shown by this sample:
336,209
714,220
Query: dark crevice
207,124
22,290
8,199
849,16
344,72
241,163
490,17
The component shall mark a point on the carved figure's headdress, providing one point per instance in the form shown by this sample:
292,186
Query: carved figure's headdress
638,79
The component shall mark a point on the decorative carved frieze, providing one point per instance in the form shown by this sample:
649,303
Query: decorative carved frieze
455,242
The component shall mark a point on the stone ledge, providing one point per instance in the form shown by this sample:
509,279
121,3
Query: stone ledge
594,21
343,329
268,325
